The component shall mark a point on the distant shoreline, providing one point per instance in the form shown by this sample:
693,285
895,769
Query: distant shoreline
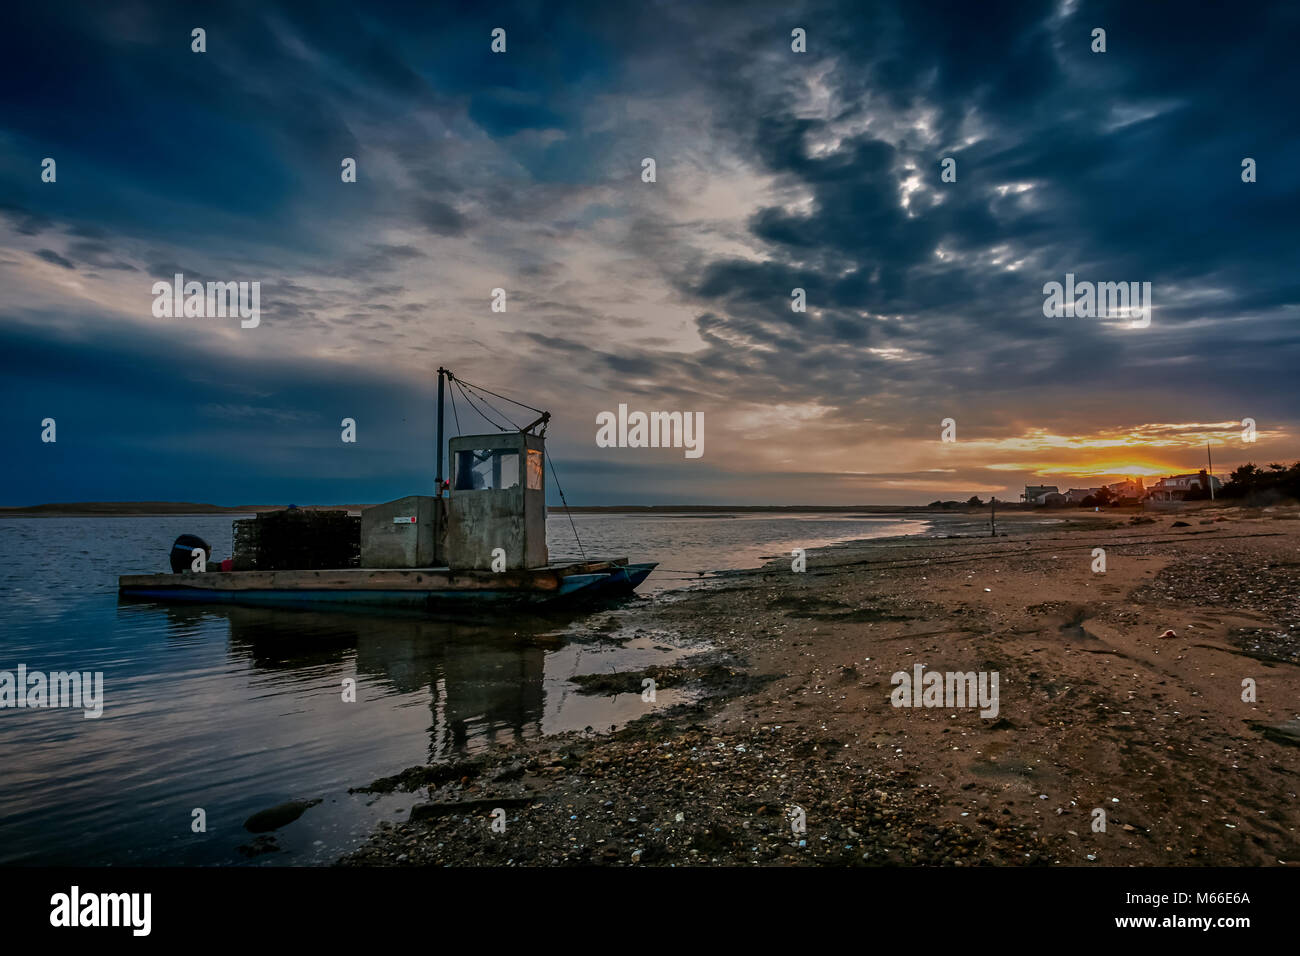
128,509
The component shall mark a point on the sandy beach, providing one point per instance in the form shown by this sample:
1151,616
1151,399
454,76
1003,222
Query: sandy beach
1097,712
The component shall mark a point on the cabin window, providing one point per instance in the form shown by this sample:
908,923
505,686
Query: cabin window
534,470
488,468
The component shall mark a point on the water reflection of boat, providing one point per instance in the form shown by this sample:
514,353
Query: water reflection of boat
485,682
479,540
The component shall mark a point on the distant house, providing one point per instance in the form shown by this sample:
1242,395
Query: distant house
1035,493
1129,489
1178,487
1076,495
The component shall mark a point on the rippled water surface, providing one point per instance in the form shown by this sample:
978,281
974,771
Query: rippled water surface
233,710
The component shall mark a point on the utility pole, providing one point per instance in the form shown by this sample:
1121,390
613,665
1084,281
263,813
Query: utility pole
993,516
1210,480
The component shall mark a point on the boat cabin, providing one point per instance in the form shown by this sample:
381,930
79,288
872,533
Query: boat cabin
497,500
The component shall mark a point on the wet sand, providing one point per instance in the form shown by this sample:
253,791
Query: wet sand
1097,711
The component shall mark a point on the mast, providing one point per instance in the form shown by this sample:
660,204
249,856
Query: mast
441,373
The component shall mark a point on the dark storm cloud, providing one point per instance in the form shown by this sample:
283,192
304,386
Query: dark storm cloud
49,255
241,134
25,221
1133,158
440,218
555,343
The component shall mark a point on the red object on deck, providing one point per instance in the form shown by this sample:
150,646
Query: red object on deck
228,564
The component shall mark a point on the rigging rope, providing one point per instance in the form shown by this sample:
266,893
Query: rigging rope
480,388
454,411
483,415
566,507
494,408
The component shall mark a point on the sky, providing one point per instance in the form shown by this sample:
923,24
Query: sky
524,171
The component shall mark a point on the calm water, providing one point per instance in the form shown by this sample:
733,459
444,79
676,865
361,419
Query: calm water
234,710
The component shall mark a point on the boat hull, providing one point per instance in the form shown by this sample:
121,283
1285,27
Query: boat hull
416,588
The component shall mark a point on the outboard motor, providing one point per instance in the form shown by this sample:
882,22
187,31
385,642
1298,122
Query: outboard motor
182,552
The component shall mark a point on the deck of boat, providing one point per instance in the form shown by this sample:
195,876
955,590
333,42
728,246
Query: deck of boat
411,587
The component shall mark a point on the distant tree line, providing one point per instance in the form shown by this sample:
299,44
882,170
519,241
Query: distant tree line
1273,483
972,502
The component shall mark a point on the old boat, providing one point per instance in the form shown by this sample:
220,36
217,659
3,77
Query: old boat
480,539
